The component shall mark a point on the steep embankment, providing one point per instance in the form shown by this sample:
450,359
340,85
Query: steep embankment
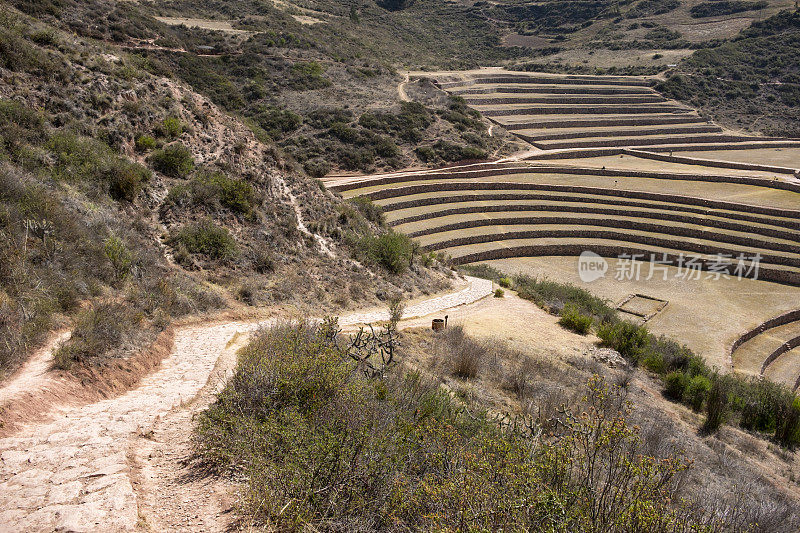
127,200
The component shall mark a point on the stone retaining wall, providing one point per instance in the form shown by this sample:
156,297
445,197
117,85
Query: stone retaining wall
784,277
574,154
710,162
781,320
581,110
574,99
791,344
676,231
638,141
566,80
674,217
575,189
702,128
555,90
579,171
647,240
655,120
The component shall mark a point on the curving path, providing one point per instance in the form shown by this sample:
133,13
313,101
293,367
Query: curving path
74,474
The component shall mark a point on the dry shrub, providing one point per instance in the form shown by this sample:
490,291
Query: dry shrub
463,355
516,382
321,447
96,332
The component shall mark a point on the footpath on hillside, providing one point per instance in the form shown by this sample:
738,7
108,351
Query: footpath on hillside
80,471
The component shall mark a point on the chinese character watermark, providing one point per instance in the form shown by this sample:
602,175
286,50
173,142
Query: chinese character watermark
663,267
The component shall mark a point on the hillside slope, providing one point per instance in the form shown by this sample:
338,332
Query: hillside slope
752,82
127,199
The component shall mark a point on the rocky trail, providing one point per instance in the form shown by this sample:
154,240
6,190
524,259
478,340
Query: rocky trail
119,464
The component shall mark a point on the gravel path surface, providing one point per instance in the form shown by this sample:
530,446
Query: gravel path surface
74,474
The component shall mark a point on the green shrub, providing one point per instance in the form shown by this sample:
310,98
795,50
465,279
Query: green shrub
447,151
787,432
145,143
625,337
759,399
214,191
44,37
174,160
320,446
237,195
653,360
717,403
96,332
87,161
276,122
674,385
386,148
171,128
391,250
572,319
696,392
206,238
371,211
553,295
125,180
119,256
499,293
20,123
482,270
505,282
317,168
307,76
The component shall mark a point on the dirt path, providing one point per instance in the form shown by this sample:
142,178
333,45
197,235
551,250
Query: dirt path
401,90
34,373
116,465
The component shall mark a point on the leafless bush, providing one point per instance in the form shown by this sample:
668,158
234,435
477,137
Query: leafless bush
463,355
374,350
516,382
396,310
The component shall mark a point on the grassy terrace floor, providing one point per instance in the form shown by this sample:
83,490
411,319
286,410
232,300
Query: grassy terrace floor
631,162
745,194
788,157
482,223
707,314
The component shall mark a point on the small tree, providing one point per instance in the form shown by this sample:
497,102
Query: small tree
787,432
696,392
717,403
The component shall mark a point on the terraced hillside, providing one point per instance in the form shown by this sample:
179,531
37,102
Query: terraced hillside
776,345
557,112
664,212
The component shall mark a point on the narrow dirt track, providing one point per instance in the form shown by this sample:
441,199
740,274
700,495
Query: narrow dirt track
113,465
401,89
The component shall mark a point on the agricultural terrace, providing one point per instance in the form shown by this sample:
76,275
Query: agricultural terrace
600,177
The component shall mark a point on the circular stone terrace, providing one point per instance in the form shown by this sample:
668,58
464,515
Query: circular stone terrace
684,204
